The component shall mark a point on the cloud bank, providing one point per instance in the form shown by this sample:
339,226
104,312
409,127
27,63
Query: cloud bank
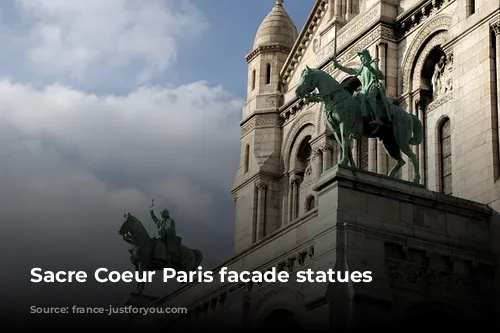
73,161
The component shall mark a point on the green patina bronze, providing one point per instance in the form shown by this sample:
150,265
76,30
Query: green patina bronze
367,113
151,253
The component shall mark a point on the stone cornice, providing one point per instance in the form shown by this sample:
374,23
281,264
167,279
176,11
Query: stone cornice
261,120
311,25
411,19
261,175
266,49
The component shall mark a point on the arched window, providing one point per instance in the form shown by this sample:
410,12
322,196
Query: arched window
247,158
253,79
310,203
445,156
268,74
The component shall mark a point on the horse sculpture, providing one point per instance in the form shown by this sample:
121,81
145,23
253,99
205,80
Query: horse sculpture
142,254
342,112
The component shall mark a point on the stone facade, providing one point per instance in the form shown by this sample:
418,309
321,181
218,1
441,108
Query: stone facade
295,209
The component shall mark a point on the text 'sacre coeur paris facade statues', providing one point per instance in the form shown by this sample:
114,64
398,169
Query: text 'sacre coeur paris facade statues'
151,253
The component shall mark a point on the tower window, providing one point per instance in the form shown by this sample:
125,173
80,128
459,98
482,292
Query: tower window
247,158
471,7
268,74
253,79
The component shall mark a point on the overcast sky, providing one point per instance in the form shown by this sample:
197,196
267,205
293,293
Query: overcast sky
105,105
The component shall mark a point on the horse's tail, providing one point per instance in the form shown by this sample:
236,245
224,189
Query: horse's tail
418,132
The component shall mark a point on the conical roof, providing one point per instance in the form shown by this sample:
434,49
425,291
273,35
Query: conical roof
276,29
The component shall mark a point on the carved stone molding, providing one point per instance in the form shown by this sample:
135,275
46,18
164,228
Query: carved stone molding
305,131
258,121
437,103
436,24
305,38
266,49
305,119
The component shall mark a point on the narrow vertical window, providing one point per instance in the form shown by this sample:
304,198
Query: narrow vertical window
247,158
445,157
471,7
253,79
268,74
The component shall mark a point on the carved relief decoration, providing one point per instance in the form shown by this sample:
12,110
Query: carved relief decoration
435,282
435,274
263,120
436,24
437,103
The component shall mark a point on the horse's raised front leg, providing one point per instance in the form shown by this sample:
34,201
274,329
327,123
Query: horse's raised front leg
346,145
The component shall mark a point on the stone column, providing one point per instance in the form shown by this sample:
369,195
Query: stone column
327,157
261,208
355,151
348,9
286,201
496,32
382,158
372,155
382,56
317,163
420,106
295,197
496,58
290,199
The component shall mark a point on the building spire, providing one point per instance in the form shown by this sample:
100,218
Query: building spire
279,2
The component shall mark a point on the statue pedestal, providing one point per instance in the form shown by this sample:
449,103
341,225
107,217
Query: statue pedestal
137,300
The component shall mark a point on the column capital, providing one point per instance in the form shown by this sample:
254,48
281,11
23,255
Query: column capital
325,147
296,179
261,184
420,103
496,28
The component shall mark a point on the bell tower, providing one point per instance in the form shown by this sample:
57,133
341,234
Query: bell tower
256,188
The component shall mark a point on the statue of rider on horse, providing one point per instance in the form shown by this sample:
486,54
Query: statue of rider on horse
170,245
372,96
152,253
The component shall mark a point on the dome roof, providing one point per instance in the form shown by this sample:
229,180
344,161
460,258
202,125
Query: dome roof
276,29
